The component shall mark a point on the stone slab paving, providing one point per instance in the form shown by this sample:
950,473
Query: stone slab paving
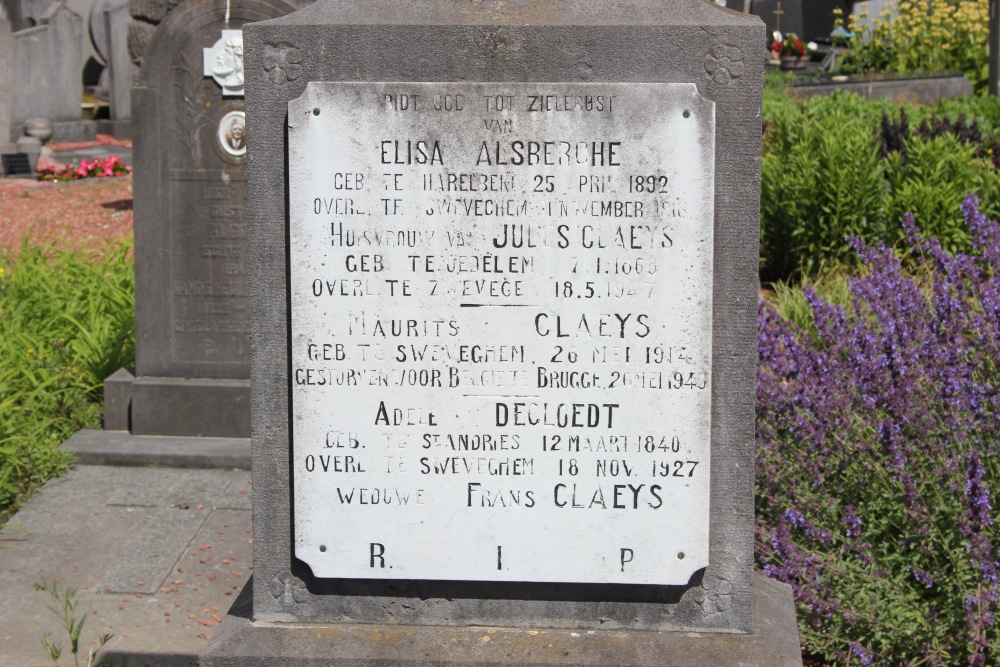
157,555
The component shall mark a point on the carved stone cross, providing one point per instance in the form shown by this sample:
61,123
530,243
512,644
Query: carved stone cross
224,62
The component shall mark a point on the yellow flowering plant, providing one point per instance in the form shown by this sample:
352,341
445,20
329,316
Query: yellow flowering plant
919,35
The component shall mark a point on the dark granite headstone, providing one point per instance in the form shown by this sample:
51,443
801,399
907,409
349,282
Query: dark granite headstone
818,17
192,337
121,70
783,15
346,100
16,164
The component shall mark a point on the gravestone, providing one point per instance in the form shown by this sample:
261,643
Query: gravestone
783,15
192,359
121,70
503,276
46,75
6,75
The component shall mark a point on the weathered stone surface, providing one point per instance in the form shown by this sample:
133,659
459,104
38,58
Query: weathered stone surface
121,448
724,614
121,70
77,526
117,399
140,34
47,60
245,643
192,359
554,185
433,40
6,76
150,557
909,89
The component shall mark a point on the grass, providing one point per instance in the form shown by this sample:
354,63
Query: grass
66,323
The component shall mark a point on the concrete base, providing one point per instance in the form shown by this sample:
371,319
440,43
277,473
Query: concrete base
193,407
913,90
245,643
118,448
74,130
119,129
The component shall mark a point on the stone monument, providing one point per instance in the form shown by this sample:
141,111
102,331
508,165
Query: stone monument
109,20
192,359
503,272
46,75
6,65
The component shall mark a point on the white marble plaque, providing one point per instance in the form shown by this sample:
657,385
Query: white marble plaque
501,330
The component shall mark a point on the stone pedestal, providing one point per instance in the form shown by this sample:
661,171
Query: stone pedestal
242,642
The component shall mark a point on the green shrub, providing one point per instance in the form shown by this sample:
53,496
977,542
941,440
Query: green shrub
66,322
839,165
821,179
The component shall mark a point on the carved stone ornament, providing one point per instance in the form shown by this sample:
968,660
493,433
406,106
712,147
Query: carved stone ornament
289,589
715,594
224,62
724,63
282,62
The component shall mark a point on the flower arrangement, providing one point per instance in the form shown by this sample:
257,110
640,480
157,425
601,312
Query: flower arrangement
790,46
878,429
96,168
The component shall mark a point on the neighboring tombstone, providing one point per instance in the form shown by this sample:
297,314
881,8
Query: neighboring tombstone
6,75
818,17
192,358
47,83
504,334
121,70
779,15
11,10
108,25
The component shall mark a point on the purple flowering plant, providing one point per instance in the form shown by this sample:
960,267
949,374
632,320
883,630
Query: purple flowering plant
878,436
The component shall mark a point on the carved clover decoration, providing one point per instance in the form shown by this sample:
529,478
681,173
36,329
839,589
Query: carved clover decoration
282,62
289,589
714,595
723,64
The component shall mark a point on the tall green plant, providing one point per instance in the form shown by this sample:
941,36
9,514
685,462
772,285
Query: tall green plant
64,607
840,165
66,322
817,186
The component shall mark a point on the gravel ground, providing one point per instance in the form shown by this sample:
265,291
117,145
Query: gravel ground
74,213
